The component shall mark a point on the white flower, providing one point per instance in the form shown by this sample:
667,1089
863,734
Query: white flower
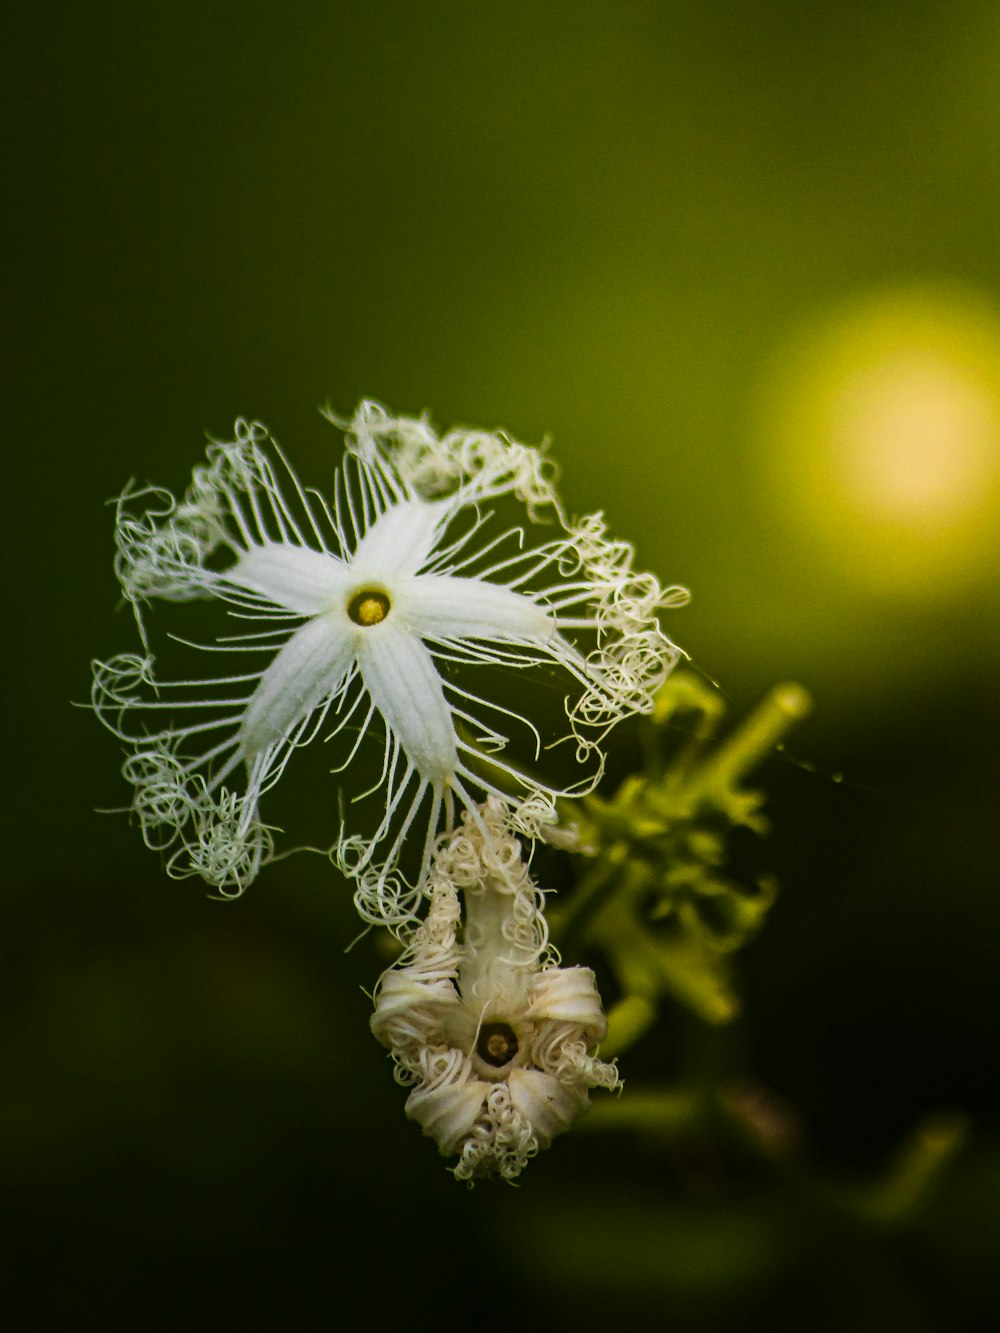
496,1041
358,602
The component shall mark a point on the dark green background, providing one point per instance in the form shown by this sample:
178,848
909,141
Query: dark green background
597,221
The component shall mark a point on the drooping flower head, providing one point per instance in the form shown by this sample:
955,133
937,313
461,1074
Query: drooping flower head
496,1041
349,613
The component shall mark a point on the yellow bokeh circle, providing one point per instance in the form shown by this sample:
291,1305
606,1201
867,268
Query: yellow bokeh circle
881,438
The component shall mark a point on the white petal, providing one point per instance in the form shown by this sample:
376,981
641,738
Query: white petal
440,606
309,667
403,681
400,541
409,1009
293,576
447,1112
548,1105
569,994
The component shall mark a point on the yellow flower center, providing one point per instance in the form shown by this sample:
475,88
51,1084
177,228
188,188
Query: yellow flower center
497,1044
368,607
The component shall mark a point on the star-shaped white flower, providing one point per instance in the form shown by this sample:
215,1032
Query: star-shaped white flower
497,1043
359,603
371,613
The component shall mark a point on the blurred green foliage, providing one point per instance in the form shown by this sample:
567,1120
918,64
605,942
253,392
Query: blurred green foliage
654,896
620,225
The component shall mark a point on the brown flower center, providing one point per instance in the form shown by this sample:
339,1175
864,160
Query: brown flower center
497,1044
368,607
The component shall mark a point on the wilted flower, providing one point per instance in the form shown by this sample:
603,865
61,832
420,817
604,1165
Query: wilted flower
358,603
495,1039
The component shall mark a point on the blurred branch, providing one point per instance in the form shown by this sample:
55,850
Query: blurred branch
918,1165
652,896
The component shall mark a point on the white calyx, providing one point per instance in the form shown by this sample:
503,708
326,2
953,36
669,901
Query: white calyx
496,1041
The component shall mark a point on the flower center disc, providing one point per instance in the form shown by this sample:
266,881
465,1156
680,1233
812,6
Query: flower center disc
368,607
497,1044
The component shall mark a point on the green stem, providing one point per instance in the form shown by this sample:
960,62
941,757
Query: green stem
628,1020
752,742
